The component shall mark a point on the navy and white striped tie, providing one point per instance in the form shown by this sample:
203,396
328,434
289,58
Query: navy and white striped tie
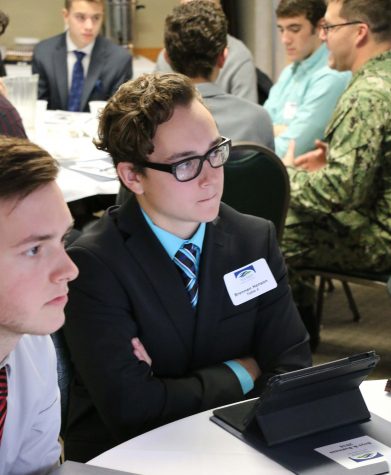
3,399
186,260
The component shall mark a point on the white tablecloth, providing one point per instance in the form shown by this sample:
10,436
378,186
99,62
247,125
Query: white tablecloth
68,137
195,446
84,170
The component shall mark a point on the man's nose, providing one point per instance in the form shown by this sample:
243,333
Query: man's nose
286,37
88,23
65,269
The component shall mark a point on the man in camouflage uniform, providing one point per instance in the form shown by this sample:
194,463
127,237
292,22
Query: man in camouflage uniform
340,210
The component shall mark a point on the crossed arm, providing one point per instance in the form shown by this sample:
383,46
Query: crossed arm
249,363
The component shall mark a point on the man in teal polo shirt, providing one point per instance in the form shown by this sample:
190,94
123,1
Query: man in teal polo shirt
303,99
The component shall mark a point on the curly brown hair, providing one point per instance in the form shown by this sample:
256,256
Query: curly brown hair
129,121
195,34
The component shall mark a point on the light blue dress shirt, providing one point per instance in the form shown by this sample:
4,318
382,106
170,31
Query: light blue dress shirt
172,244
304,99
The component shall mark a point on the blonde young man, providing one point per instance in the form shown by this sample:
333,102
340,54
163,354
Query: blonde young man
79,65
35,271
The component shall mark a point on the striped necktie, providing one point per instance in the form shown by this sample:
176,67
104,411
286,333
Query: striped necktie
3,399
186,260
74,96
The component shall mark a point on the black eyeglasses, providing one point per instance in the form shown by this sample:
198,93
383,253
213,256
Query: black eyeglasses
189,168
326,28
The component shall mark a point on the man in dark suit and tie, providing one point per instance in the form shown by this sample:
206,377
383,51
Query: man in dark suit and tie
182,303
79,65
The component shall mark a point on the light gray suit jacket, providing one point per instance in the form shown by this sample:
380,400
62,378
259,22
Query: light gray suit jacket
110,66
236,118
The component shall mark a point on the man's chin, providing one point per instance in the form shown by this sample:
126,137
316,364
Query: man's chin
331,63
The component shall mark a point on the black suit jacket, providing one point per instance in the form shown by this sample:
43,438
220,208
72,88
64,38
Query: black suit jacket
110,66
128,286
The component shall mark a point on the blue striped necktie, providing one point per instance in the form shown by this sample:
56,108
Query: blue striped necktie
3,399
186,260
74,97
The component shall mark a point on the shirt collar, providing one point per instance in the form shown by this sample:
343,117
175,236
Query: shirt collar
8,361
4,362
372,61
319,55
72,47
172,243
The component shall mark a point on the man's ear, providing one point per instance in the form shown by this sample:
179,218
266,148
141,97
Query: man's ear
362,34
318,27
221,58
130,179
65,15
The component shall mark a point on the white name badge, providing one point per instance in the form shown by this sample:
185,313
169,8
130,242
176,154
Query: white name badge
249,281
290,110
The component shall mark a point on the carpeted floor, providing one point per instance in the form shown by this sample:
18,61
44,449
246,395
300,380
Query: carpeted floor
341,337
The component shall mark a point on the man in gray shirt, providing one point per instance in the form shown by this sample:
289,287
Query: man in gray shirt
195,42
237,76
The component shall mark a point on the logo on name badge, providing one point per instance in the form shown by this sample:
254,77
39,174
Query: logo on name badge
246,272
365,456
249,281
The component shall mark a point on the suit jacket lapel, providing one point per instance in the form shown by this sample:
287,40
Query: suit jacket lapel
212,292
159,270
98,59
61,71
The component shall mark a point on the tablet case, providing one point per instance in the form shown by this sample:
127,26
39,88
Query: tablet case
299,455
307,401
305,409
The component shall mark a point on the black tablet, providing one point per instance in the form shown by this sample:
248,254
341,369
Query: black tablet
305,401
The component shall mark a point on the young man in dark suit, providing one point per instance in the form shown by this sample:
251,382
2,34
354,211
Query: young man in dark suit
151,345
103,65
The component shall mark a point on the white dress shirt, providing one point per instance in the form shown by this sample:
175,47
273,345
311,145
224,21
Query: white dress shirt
71,57
29,445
